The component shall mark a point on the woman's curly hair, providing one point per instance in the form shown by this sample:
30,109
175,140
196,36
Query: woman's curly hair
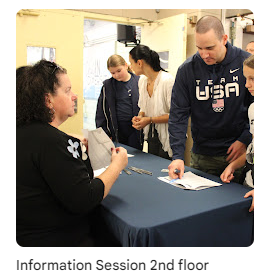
33,83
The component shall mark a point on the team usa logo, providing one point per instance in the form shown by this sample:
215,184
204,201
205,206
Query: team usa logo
217,92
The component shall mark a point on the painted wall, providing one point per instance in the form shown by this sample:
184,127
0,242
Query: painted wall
63,30
169,34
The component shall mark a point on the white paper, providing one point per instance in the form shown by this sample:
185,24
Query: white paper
191,181
99,172
99,148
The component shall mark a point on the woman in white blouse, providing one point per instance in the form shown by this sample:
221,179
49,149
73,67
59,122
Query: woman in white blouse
155,89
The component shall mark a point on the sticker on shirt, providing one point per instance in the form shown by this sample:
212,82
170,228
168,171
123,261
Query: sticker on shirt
218,105
73,148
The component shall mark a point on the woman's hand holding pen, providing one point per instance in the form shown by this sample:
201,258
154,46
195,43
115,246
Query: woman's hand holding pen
119,161
119,157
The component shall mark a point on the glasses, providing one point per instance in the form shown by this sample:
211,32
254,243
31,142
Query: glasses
52,67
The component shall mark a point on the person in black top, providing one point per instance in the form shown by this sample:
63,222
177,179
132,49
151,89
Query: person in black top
55,189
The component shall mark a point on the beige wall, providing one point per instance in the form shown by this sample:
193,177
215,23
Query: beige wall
169,34
62,30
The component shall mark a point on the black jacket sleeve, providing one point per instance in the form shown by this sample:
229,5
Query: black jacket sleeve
179,115
101,114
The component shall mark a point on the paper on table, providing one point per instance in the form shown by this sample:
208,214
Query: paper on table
191,181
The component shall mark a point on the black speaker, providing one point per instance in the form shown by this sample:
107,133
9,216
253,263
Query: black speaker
126,33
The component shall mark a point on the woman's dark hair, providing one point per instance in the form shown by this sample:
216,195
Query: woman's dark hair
145,53
33,83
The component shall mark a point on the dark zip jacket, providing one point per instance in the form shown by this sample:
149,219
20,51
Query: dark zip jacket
217,100
106,108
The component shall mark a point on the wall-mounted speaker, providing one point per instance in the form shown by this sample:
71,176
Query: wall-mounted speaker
127,34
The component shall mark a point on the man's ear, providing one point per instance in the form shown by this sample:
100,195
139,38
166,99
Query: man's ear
225,39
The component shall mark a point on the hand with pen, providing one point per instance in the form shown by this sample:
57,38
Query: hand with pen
119,155
176,169
119,161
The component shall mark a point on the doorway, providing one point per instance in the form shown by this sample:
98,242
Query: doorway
99,44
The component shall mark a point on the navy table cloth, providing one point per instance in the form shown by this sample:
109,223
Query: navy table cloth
141,210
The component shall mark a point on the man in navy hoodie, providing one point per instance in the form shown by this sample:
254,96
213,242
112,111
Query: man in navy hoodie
210,87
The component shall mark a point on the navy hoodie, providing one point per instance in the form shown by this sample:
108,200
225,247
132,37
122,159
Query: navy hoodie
216,99
106,108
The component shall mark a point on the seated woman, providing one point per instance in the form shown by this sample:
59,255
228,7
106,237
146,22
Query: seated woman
55,189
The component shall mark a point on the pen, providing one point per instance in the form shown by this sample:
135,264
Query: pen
176,171
173,180
127,171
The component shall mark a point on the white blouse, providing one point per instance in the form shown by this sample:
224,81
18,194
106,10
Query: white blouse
157,105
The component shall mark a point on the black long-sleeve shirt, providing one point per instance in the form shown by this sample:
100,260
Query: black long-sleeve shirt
55,189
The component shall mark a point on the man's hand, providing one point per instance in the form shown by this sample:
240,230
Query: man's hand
179,165
235,150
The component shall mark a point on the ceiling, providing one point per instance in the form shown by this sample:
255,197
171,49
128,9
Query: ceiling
152,14
234,13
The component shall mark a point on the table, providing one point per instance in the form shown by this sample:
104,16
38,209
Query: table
141,210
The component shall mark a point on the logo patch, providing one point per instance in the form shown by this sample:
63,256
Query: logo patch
218,105
233,71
